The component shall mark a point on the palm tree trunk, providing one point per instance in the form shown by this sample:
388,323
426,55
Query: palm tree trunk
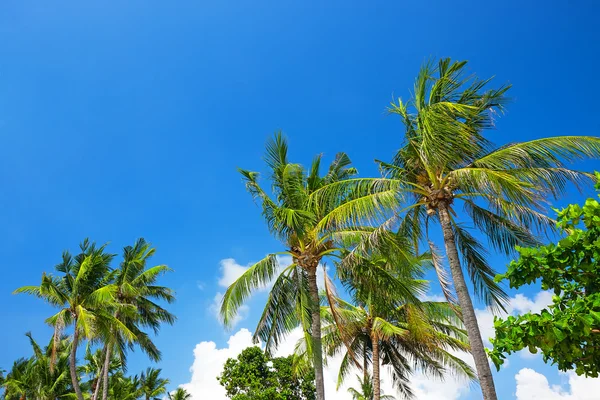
316,332
98,382
482,365
105,372
73,363
376,377
365,364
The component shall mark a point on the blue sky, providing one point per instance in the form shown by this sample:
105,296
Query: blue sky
127,119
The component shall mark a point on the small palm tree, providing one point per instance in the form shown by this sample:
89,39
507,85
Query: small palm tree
19,380
445,160
85,298
136,294
36,378
124,387
388,324
366,390
180,394
408,335
152,386
92,368
51,369
298,222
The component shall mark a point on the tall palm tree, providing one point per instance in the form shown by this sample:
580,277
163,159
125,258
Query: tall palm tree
152,386
180,394
136,294
444,160
297,221
85,298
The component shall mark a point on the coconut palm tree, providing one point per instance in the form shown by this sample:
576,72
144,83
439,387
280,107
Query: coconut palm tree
444,161
408,335
39,377
180,394
297,221
51,369
92,369
124,387
18,380
152,386
387,327
85,298
366,390
136,294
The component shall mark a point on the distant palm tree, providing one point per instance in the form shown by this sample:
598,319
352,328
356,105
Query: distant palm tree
136,294
180,394
39,377
152,386
366,390
409,335
302,226
92,368
389,327
124,387
19,380
444,159
85,298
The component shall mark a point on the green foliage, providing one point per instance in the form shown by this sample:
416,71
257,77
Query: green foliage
43,376
365,392
445,162
568,331
385,309
300,220
124,387
180,394
107,307
254,375
152,386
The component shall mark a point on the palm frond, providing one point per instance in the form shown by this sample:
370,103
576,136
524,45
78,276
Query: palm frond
481,273
255,277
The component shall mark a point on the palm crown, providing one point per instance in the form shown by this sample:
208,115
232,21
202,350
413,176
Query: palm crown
445,159
300,223
85,298
152,386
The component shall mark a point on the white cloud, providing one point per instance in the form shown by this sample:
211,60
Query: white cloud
532,385
432,297
208,365
517,305
209,361
230,271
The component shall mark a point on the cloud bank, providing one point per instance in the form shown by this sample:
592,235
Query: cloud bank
530,384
